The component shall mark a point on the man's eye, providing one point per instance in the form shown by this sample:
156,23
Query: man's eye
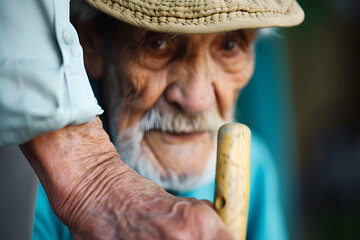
229,45
158,44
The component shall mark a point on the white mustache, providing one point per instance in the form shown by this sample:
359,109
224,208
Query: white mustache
180,122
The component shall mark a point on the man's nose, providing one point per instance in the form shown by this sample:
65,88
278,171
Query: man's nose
191,88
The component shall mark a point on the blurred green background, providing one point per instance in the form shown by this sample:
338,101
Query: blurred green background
323,58
304,102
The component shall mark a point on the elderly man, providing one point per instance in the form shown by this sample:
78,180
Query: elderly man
167,89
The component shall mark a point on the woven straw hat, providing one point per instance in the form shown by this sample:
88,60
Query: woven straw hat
203,16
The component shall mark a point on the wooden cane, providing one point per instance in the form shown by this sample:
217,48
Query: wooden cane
232,177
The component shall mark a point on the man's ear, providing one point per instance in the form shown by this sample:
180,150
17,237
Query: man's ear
93,46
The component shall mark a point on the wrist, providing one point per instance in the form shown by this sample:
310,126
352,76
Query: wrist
74,164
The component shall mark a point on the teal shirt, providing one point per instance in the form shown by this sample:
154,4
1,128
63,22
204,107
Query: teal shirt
265,218
43,83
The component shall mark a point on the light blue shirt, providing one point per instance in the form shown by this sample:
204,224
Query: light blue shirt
43,83
265,218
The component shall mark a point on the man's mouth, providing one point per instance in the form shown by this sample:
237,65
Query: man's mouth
179,137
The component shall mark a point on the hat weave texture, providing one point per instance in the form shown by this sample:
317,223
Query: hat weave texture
203,16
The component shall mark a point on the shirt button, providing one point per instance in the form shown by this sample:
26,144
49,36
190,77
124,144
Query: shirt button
66,36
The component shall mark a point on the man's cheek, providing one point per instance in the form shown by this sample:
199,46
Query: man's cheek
148,87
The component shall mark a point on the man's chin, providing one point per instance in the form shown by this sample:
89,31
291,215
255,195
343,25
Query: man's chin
139,157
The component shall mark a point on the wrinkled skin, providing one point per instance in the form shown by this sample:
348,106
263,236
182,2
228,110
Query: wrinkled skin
99,197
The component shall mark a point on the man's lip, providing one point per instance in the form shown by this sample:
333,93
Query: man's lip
172,137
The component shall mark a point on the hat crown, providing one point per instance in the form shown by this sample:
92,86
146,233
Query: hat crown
199,8
202,16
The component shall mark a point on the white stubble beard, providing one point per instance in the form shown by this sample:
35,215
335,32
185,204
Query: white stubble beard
128,145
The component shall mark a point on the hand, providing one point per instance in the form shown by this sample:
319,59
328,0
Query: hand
99,197
142,210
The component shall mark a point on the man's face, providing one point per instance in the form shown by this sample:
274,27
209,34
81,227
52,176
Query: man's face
177,90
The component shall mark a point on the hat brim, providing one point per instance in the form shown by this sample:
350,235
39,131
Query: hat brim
165,18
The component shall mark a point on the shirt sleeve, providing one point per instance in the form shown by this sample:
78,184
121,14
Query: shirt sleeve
43,82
